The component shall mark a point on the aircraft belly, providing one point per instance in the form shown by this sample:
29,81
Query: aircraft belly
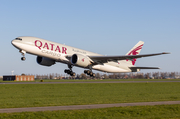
109,68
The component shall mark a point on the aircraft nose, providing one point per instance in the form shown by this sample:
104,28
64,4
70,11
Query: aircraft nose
13,42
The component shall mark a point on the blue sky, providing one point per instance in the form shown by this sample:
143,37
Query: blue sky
101,26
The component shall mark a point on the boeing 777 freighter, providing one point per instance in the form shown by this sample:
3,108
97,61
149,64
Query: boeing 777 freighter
48,53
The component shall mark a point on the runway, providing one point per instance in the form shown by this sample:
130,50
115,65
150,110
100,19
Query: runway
85,82
78,107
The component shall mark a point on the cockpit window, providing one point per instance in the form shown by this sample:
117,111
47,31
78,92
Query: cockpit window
18,39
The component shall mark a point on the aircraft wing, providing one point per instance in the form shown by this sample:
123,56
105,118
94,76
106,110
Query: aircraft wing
105,59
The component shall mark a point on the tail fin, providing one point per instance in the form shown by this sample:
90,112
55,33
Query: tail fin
135,51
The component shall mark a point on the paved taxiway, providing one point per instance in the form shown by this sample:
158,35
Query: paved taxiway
77,107
85,82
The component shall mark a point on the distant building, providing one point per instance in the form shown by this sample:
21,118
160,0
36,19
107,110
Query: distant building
18,78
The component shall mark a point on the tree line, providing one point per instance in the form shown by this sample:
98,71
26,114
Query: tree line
152,75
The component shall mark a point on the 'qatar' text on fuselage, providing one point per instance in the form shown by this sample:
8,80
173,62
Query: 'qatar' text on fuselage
50,46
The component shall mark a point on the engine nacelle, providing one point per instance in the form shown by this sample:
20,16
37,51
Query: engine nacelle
45,61
80,60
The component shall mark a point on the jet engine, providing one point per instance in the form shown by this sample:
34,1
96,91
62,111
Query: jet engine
45,61
80,60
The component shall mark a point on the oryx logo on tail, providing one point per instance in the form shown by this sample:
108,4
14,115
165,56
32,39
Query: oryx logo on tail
135,51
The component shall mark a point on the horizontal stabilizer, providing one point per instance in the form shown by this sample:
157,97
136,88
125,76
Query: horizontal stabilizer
133,68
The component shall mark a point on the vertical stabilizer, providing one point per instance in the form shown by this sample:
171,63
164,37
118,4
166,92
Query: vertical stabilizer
135,51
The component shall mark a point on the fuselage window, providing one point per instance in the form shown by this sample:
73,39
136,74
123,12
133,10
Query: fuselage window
18,39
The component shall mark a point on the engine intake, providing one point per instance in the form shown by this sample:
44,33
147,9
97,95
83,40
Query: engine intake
45,61
80,60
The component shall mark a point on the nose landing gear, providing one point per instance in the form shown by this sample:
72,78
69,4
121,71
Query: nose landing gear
23,58
23,53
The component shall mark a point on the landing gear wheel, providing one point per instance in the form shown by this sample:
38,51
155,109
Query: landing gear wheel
72,73
23,58
66,71
93,75
69,71
85,71
88,72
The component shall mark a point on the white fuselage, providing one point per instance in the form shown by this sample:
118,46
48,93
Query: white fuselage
58,52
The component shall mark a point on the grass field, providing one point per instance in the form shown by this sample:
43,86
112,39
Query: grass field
92,80
89,80
35,95
137,112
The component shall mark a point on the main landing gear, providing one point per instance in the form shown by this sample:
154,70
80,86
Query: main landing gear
69,71
90,73
23,53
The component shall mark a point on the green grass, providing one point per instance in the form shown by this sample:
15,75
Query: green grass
91,80
137,112
35,95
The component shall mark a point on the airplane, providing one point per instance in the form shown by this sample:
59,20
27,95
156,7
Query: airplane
48,53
